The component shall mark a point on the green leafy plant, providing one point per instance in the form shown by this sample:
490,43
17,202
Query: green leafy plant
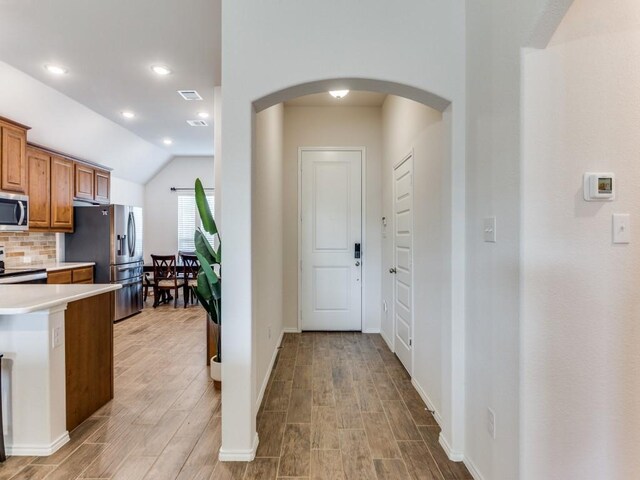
209,286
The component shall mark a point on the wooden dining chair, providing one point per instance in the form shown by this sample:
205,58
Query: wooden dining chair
165,277
191,267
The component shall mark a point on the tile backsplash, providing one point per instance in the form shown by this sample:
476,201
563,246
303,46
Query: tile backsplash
28,247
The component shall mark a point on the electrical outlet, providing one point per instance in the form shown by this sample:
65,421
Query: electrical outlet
491,423
57,337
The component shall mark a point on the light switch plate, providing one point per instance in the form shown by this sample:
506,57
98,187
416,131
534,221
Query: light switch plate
489,227
621,228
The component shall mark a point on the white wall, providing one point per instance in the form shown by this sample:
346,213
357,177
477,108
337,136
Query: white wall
217,165
125,192
581,360
267,236
60,123
420,45
334,127
161,204
412,127
496,31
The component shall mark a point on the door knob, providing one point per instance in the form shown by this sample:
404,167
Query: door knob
357,264
392,270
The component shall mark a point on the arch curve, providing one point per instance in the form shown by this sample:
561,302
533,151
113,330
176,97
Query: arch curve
380,86
547,23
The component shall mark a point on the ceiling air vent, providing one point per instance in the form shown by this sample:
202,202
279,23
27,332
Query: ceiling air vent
189,94
197,123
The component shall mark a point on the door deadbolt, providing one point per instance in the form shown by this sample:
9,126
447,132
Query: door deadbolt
357,264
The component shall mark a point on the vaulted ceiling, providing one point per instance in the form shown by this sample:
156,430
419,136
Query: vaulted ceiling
108,48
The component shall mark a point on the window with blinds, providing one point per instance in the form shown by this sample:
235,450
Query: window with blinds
189,221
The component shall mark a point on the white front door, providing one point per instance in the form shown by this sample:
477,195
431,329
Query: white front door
330,226
403,259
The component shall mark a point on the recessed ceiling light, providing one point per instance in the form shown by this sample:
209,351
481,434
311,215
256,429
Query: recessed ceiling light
203,114
56,69
167,141
128,114
161,69
339,93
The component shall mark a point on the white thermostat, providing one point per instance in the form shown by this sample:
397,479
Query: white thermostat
599,187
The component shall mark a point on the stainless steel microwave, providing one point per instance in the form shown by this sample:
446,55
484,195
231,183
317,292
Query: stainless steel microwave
14,212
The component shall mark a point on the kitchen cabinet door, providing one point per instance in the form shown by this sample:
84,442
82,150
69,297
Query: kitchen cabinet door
84,182
102,186
82,275
61,194
13,162
39,187
59,277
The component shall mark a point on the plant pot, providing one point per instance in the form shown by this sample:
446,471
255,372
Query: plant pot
216,372
213,330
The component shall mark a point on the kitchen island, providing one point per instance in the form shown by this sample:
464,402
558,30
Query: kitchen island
57,369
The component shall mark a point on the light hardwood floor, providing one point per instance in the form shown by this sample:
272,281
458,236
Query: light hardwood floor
338,406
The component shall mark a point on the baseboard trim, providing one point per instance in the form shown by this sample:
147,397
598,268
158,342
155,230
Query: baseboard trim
473,470
427,400
239,455
290,330
38,450
371,330
265,381
384,337
453,456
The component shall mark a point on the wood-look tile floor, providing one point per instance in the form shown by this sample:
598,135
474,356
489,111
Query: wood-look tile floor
338,406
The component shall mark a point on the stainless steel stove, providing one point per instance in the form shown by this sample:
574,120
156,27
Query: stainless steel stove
22,275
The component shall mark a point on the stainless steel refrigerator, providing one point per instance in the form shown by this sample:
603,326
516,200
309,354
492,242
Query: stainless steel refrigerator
111,236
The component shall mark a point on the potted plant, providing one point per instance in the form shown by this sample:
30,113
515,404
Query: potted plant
208,290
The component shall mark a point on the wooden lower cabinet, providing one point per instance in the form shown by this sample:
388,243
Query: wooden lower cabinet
59,277
72,275
88,334
82,275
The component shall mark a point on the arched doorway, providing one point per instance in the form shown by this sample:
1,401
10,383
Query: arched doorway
451,337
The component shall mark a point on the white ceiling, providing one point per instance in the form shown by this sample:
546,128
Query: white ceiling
109,46
353,99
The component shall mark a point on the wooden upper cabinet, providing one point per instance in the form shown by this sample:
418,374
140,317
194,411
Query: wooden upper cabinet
84,182
62,188
102,186
13,160
39,186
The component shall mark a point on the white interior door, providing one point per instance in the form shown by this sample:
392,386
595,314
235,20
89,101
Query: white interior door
403,260
331,226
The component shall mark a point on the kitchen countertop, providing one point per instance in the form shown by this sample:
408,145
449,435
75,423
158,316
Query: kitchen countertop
20,299
54,266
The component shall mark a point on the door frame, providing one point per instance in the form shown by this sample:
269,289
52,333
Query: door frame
363,223
408,156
